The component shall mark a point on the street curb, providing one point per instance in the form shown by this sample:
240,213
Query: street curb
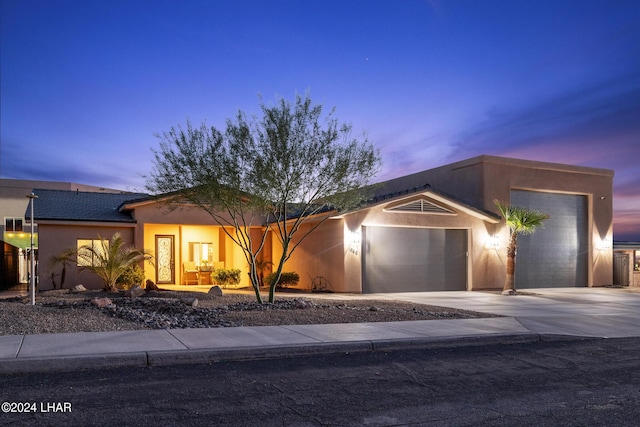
172,357
455,342
72,363
180,357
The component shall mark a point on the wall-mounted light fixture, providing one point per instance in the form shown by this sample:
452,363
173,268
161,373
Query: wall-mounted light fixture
354,242
493,242
604,245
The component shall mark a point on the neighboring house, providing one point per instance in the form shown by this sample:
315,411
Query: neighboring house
429,231
16,225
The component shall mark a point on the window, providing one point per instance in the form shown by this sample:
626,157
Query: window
201,253
90,252
13,225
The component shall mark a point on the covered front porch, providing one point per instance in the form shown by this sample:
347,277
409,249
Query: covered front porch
188,255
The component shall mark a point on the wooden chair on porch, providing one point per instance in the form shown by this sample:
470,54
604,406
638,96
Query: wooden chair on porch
190,273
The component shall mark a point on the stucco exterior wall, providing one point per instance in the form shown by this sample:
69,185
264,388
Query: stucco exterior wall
56,237
320,255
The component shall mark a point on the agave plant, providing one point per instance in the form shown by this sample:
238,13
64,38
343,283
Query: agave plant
110,259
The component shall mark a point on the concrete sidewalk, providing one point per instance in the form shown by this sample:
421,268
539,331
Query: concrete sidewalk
544,315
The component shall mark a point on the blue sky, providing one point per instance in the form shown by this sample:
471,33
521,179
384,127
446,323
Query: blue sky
86,84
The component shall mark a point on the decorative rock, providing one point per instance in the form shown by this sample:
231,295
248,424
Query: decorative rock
78,288
374,308
216,290
101,302
193,302
151,286
134,292
302,303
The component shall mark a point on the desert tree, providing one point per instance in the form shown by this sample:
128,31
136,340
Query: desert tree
520,221
274,173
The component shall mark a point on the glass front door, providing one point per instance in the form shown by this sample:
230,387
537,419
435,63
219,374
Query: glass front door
165,263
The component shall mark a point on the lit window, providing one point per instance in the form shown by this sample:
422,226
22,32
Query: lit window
201,253
91,252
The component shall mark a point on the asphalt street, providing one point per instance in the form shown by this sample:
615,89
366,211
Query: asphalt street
577,382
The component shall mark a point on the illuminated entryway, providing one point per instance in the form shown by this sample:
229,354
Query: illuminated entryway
188,254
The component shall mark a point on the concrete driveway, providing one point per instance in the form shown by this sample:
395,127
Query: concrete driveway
593,312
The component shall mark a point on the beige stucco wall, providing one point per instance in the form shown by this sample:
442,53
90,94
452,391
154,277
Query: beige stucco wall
55,237
321,254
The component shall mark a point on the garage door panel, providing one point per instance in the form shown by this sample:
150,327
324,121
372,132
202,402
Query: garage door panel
556,255
413,259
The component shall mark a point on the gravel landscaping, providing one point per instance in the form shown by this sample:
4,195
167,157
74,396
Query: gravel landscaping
62,311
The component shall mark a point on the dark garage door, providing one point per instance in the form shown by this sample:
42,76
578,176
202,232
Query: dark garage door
556,255
398,259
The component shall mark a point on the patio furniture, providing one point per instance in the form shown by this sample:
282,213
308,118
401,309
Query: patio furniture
190,273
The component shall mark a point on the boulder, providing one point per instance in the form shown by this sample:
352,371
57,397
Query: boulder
134,292
101,302
151,286
193,302
216,290
77,288
302,303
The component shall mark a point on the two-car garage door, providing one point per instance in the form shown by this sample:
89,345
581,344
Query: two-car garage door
409,259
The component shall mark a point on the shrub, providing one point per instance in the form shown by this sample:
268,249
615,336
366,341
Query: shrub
132,276
287,278
224,277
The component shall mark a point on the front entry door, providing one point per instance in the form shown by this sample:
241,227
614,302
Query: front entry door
165,264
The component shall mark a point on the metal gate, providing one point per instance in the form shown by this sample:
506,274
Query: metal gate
620,269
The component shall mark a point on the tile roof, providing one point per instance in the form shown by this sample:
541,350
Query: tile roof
81,206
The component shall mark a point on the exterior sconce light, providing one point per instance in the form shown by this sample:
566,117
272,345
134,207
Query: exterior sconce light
493,242
354,242
605,245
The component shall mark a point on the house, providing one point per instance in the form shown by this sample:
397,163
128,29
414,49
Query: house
429,231
16,232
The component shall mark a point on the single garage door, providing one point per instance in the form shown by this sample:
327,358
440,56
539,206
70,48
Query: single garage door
398,259
556,255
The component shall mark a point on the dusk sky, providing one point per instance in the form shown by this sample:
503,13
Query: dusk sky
86,84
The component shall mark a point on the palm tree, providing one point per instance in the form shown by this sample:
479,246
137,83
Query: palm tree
63,259
110,259
520,221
